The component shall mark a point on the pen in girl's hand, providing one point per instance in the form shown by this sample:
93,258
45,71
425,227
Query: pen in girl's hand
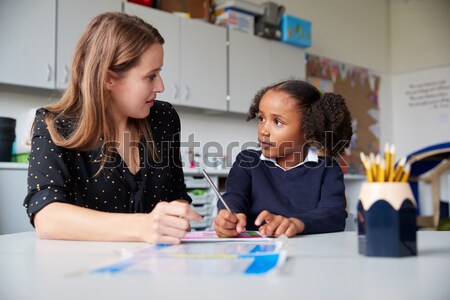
215,190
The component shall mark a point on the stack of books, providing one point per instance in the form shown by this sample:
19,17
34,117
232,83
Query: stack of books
237,14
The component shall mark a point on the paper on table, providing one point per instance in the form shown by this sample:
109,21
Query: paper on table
211,236
194,259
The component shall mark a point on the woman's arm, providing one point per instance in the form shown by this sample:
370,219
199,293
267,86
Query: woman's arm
166,224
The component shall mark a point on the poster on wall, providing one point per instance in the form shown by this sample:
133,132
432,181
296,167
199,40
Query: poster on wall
359,87
421,106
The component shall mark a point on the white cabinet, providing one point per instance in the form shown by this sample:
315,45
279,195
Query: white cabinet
168,26
27,39
255,62
73,17
203,65
195,62
13,189
38,38
249,63
286,62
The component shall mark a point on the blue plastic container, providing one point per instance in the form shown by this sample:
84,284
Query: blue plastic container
296,31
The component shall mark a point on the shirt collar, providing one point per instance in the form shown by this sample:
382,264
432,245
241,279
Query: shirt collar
312,156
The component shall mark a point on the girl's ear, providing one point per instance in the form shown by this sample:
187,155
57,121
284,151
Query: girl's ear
111,78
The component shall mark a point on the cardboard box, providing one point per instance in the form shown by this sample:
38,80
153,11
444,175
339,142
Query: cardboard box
197,9
236,20
296,31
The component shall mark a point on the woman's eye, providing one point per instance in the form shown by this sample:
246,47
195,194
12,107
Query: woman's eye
152,77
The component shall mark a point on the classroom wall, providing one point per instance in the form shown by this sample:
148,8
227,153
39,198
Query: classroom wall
420,68
420,34
356,32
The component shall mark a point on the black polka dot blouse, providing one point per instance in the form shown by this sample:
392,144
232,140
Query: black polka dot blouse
57,174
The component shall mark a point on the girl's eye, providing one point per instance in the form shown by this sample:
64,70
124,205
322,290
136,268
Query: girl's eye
260,118
278,122
152,77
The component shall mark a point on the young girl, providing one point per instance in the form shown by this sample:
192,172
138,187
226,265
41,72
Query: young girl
286,188
105,159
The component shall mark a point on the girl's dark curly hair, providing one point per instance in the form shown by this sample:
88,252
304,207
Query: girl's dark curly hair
326,118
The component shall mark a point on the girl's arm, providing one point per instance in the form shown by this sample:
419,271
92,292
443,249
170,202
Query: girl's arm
166,224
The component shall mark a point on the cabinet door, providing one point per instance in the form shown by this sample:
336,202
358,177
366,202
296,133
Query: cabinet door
168,26
73,17
203,61
13,189
27,39
249,65
286,62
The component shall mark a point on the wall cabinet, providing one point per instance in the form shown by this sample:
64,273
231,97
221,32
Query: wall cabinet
286,62
38,38
255,62
27,39
249,64
203,67
195,61
73,17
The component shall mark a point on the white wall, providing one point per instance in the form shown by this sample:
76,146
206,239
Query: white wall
420,34
351,31
377,34
420,64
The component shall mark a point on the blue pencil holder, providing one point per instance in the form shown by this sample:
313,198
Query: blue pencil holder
387,220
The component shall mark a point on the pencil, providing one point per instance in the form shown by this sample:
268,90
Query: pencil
367,167
387,159
381,168
406,171
391,164
374,165
399,170
377,167
215,190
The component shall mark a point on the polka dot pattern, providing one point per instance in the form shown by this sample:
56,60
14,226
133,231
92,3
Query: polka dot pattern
57,174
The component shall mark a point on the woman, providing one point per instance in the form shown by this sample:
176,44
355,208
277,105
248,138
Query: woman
105,160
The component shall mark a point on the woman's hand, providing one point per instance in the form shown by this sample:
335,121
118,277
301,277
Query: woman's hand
168,222
277,225
227,224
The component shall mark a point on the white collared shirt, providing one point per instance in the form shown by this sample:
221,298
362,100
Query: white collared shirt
312,156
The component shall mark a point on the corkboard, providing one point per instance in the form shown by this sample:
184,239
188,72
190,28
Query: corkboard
359,87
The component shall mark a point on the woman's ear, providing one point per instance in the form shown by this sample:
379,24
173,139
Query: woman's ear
111,78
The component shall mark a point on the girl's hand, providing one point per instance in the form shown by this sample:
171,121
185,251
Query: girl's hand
168,222
227,224
277,225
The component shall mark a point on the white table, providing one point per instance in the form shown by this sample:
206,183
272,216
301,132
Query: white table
325,266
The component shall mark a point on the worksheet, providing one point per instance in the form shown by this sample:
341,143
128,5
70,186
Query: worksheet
211,236
199,259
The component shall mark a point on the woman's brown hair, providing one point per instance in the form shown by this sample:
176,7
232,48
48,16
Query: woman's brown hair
111,42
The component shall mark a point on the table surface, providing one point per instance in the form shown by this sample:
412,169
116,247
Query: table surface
323,266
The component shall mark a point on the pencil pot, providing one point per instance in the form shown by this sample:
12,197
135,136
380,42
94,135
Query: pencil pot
387,220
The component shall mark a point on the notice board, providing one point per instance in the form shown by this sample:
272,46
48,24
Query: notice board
360,88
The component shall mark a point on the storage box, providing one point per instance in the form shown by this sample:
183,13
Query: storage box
295,31
197,9
235,20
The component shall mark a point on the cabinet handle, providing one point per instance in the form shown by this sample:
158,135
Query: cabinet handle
175,93
66,74
187,92
49,72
